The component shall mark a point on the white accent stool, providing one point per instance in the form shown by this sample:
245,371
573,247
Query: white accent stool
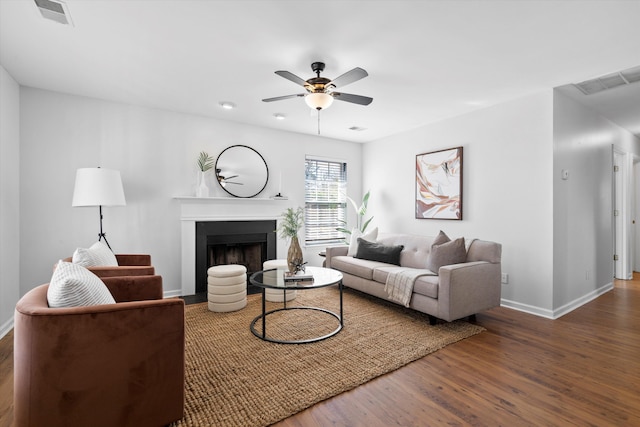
227,287
272,294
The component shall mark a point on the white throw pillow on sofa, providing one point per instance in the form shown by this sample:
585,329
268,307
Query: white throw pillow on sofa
371,236
98,255
72,285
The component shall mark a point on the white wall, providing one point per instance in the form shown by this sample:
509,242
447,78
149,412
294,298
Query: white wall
9,199
583,204
156,153
507,188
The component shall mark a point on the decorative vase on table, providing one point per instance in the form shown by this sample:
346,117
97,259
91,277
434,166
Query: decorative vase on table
202,190
294,255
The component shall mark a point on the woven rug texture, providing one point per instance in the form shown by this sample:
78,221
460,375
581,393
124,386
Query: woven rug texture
235,379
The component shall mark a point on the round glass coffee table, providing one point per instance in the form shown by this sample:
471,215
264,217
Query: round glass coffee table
274,279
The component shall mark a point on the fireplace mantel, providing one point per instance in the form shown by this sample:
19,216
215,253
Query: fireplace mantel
195,209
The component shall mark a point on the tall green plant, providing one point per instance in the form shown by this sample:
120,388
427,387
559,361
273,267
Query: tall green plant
361,211
292,222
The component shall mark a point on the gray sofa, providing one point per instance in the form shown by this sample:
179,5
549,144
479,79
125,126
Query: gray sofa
457,291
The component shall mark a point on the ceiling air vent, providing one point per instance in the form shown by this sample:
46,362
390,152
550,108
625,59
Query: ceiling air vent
609,81
55,10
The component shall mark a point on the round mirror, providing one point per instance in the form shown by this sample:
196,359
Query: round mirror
241,171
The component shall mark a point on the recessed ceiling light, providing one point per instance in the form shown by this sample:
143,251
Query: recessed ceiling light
227,105
279,116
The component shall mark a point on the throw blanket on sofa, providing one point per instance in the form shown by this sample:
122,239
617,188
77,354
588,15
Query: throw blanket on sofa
399,285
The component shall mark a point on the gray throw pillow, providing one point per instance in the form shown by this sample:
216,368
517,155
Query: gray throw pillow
377,252
451,252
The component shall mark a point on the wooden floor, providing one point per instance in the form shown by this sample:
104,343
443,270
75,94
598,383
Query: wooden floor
582,369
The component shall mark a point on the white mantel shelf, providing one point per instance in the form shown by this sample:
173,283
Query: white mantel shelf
213,199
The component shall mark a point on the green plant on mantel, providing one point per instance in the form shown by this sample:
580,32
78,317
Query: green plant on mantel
205,162
361,211
292,222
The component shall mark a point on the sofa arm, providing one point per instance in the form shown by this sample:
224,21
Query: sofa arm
468,288
114,364
134,288
332,251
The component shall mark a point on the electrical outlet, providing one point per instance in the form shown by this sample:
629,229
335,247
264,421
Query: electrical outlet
505,278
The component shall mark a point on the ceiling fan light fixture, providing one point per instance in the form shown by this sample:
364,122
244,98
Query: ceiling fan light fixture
319,100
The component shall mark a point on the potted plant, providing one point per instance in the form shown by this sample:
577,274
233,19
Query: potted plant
361,211
205,163
291,222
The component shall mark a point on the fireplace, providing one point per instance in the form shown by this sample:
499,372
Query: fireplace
247,243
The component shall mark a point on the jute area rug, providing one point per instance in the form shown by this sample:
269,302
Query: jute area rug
235,379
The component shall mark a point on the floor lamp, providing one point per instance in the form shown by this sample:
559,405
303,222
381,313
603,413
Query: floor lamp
98,187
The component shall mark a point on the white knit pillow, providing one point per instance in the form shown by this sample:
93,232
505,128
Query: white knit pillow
72,285
98,255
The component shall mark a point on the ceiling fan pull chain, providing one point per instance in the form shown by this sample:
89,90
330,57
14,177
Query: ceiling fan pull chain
318,122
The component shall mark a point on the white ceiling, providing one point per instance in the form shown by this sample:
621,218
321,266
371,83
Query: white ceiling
427,60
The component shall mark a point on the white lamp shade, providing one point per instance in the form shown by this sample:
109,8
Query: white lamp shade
98,187
319,100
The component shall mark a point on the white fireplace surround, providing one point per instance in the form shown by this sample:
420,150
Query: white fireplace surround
194,210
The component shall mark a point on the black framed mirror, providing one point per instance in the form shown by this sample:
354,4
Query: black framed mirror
241,171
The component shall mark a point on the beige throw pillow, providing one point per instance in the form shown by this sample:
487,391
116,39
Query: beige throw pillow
446,252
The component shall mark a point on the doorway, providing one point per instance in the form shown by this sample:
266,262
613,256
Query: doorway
626,201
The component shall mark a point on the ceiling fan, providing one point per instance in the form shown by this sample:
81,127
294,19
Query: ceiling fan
225,180
320,90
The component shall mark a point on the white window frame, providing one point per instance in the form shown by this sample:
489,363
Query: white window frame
328,191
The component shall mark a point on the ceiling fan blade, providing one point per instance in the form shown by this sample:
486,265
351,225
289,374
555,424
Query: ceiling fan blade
290,76
279,98
349,77
355,99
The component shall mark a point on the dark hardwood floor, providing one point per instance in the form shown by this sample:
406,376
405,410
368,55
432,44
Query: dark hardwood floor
582,369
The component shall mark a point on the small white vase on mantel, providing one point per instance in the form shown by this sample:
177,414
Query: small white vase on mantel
202,190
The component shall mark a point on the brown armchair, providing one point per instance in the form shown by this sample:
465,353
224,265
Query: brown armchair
128,265
108,365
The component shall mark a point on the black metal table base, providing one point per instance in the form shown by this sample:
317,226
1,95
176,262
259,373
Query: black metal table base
263,335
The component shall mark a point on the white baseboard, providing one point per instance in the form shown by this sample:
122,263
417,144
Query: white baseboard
172,294
561,311
6,327
526,308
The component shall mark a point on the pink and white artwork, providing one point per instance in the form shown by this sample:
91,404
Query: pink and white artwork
439,184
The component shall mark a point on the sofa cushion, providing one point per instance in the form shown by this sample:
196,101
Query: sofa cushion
451,252
371,236
98,255
72,285
356,267
378,252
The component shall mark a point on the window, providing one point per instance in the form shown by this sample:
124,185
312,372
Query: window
325,187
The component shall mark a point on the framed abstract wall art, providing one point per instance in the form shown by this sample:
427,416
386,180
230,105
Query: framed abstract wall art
439,184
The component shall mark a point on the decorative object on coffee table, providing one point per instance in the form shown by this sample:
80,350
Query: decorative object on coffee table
291,222
439,184
205,162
